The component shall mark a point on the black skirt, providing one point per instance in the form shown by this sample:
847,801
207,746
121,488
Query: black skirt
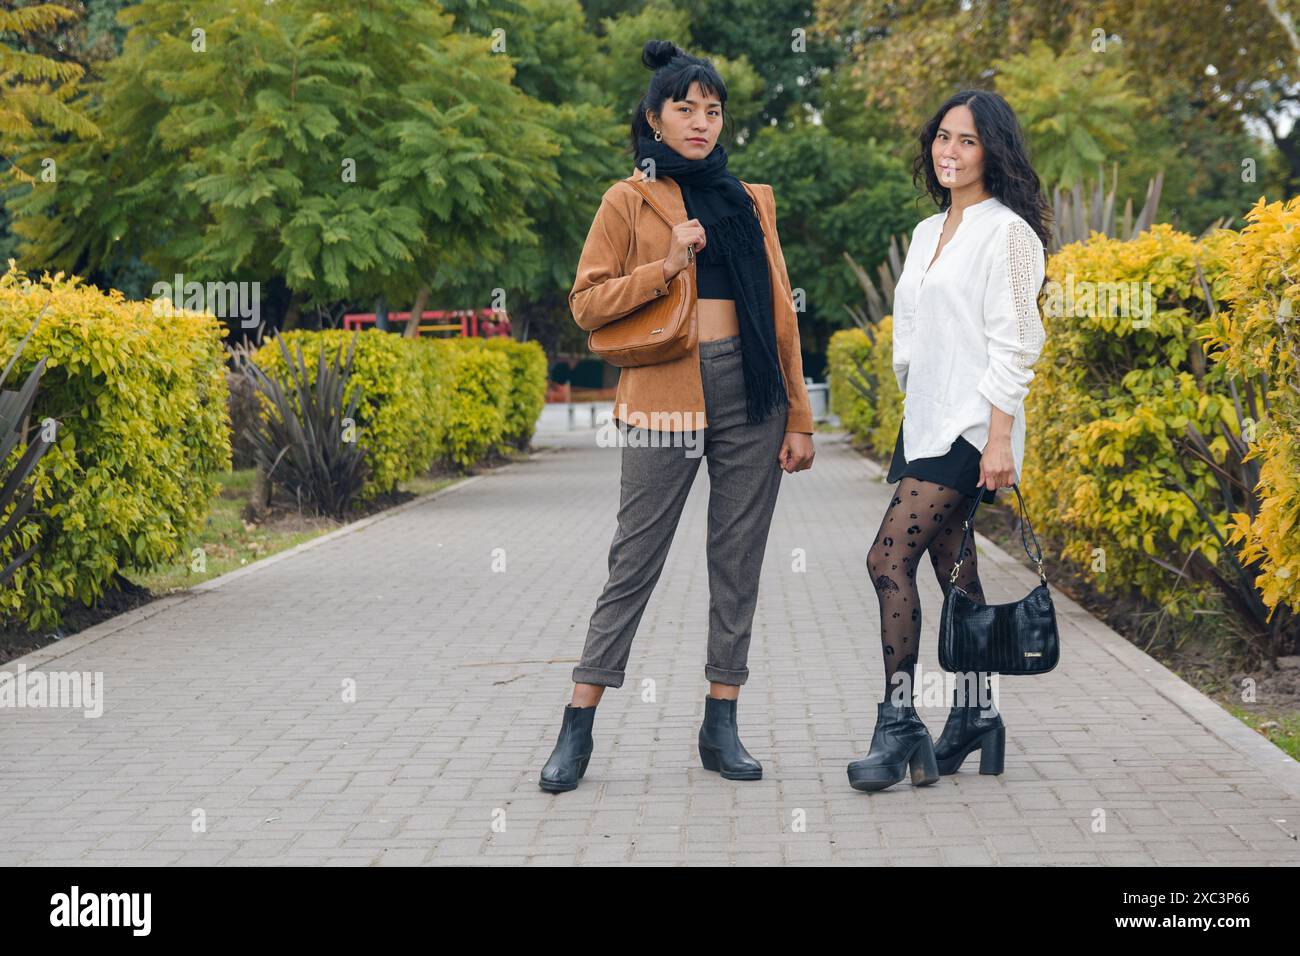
958,467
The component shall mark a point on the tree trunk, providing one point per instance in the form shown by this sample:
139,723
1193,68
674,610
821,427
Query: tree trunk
293,313
417,310
259,498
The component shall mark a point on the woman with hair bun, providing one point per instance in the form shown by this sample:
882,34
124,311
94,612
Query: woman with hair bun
739,393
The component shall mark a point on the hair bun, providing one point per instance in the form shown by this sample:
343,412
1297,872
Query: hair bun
658,53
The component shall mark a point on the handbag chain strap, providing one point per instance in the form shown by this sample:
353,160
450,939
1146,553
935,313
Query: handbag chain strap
1024,525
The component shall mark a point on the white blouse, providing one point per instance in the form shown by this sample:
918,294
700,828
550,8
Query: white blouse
967,329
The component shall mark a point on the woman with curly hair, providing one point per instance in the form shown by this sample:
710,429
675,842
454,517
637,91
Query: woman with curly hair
966,335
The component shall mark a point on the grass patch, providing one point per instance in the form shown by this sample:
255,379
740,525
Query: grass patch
228,542
1282,729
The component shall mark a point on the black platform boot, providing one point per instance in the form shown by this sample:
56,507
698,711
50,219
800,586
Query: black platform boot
970,728
720,746
572,751
901,741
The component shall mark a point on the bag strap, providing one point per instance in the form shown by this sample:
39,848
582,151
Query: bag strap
636,184
1037,558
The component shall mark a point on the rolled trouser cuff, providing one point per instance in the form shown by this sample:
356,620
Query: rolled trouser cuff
597,675
722,675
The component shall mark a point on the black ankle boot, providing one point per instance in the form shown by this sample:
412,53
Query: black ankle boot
572,751
901,740
970,728
720,746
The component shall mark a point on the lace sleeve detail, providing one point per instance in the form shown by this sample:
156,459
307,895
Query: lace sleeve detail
1013,327
1025,271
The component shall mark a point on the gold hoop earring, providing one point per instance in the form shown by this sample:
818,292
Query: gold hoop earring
659,136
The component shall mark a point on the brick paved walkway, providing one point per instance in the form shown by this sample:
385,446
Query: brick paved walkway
226,705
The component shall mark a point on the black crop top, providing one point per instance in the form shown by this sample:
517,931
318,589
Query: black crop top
713,281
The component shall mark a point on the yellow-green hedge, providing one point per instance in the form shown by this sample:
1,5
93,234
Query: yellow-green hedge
144,432
398,420
527,397
1112,396
875,422
428,400
474,408
1260,336
855,412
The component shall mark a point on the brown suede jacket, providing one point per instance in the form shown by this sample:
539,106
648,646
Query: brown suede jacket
621,268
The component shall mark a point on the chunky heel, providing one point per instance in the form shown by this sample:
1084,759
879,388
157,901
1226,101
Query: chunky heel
582,767
899,742
709,758
993,749
970,728
924,767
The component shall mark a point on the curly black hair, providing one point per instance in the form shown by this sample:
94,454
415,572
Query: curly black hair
1008,174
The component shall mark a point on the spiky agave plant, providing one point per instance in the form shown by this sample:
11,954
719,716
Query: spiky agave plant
1075,220
303,444
16,493
879,300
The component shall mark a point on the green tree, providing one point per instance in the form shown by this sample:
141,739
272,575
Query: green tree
1228,62
347,154
624,78
37,90
778,38
832,196
1076,109
1235,63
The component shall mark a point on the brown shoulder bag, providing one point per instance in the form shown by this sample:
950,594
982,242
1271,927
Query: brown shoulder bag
659,331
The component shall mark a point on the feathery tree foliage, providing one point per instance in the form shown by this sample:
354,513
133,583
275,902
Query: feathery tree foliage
1077,112
346,150
35,90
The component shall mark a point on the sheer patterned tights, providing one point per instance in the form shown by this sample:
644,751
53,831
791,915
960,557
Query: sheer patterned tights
922,516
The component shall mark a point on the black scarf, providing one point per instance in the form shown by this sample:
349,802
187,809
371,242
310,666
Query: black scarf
735,238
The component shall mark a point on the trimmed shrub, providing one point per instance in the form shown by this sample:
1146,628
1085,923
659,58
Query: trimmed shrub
398,419
472,404
425,400
856,411
855,357
143,433
588,373
1259,338
1115,390
527,388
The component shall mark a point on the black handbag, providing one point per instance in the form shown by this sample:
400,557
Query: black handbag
1016,638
